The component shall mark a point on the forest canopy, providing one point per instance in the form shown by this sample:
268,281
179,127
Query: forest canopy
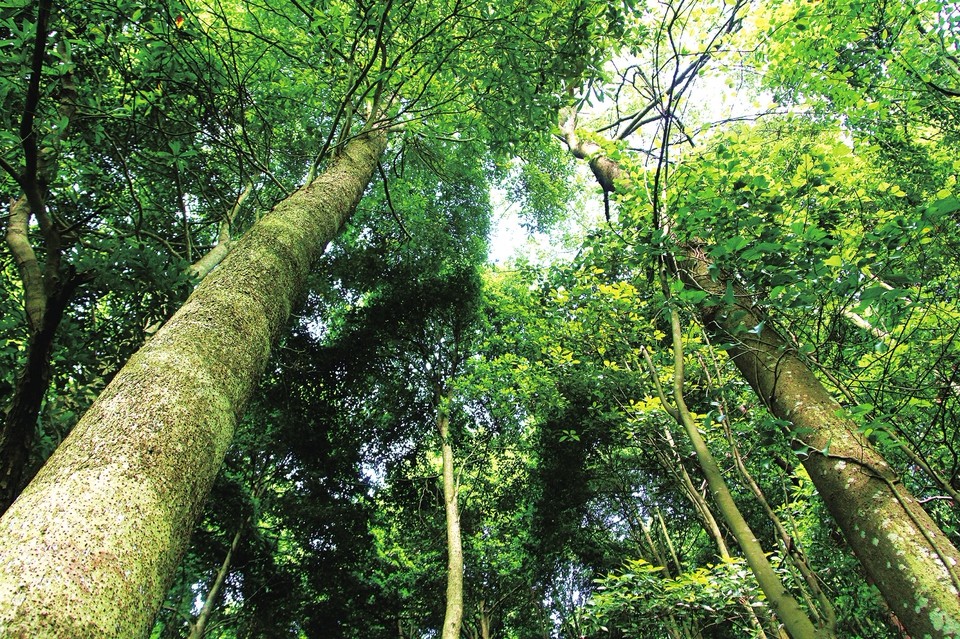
260,376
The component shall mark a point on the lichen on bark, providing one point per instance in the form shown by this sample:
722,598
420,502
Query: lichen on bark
89,548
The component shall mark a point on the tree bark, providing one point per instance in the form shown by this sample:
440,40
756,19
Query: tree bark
901,548
453,617
89,547
486,622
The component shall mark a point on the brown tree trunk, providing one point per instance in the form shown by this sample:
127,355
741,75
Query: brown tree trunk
20,421
89,547
901,548
47,287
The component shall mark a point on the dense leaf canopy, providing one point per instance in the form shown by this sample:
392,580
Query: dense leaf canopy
785,168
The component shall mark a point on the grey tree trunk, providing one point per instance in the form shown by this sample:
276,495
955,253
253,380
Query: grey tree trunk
89,547
199,627
453,616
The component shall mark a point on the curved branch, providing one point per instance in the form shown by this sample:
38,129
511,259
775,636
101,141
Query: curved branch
18,240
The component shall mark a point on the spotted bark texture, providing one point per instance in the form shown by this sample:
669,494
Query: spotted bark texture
901,548
90,546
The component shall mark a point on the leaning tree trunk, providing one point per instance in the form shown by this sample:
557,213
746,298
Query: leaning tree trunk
901,548
89,547
784,604
48,287
199,627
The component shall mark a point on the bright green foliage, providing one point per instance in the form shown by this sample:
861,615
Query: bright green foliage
840,220
872,62
293,486
180,108
540,180
843,254
637,598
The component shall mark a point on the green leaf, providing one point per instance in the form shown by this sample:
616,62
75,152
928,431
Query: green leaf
834,261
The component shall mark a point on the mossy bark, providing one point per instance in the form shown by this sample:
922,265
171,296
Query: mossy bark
89,547
901,548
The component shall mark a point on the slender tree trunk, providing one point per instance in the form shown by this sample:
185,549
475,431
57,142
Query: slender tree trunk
225,242
199,627
486,622
788,544
698,501
673,628
901,548
786,607
453,616
90,546
754,620
20,420
666,536
47,287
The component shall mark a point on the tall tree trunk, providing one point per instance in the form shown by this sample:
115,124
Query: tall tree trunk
486,622
666,536
47,287
453,616
788,545
901,548
786,607
90,546
674,629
